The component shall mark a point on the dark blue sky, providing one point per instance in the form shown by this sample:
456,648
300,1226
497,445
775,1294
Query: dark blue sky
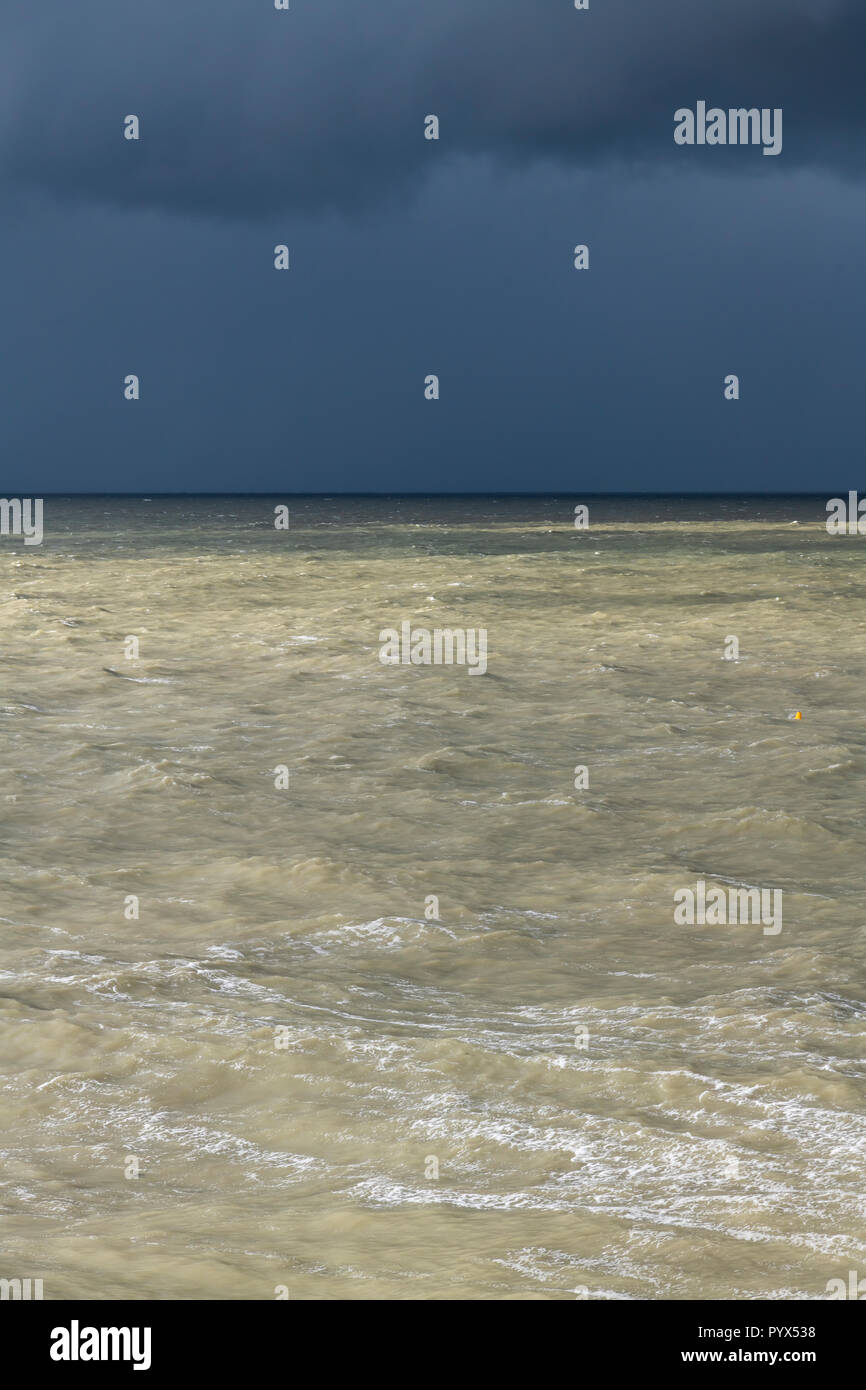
411,257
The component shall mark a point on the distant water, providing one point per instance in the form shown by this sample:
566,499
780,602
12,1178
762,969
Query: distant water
284,1042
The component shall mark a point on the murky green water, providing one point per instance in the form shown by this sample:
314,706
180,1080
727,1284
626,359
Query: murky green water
549,1088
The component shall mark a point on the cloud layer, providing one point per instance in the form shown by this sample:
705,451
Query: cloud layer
247,111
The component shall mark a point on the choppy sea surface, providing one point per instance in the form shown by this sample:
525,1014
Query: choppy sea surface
548,1091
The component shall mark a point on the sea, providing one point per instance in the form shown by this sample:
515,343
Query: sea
327,976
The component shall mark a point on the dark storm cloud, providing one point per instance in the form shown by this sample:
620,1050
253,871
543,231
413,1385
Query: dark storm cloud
248,111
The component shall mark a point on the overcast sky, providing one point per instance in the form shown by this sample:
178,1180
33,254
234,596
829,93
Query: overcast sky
412,257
